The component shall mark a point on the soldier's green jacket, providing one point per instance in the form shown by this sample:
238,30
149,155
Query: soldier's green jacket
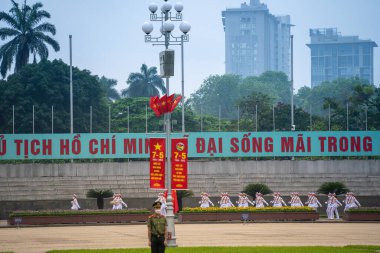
157,224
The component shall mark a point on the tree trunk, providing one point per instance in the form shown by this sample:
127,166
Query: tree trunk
100,203
179,204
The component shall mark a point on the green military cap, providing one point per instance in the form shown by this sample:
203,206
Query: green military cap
156,204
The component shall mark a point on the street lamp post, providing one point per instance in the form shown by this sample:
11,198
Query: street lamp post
293,127
166,38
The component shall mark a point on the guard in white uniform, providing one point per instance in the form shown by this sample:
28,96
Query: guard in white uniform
161,198
243,200
350,201
295,200
205,200
332,206
118,203
277,200
312,201
260,201
329,212
335,205
225,201
74,203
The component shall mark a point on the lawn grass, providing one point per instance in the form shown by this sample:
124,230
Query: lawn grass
346,249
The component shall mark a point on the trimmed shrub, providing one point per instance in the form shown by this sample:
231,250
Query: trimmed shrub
251,189
99,195
333,187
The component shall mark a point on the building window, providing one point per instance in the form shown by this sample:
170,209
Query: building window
366,60
366,49
245,20
345,50
245,32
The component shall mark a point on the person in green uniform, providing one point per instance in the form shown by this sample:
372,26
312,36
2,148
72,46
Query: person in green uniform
157,230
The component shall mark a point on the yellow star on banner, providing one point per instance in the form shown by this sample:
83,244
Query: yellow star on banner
157,146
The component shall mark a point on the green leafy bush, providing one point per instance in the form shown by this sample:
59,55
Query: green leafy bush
333,187
247,209
364,210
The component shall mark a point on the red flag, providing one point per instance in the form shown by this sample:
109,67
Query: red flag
169,103
154,106
175,103
175,200
162,104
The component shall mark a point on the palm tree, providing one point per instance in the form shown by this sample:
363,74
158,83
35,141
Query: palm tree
252,189
144,84
99,195
109,87
333,187
27,35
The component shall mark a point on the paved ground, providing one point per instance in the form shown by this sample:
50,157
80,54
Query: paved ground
41,239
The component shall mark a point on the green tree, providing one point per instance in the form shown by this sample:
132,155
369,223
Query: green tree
336,95
367,99
264,105
130,112
217,91
109,86
301,99
27,34
283,120
144,84
44,85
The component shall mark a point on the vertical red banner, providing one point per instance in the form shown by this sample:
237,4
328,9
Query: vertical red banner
179,164
157,154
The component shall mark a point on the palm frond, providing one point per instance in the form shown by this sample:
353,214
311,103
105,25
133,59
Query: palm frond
333,187
9,20
6,55
41,49
53,43
35,17
252,189
6,32
45,27
99,193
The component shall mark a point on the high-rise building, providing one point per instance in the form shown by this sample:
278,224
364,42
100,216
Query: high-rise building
255,40
335,56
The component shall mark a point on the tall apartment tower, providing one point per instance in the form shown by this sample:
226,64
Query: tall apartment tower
255,40
335,56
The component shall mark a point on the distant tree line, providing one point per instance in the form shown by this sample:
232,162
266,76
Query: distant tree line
223,102
46,84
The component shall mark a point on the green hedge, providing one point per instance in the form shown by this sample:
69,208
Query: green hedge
364,210
246,210
74,212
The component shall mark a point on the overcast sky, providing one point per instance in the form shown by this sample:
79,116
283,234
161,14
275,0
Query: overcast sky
108,40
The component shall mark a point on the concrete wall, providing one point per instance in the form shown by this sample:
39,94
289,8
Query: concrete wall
33,183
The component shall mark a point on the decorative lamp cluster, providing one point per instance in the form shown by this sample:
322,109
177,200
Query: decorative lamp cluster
168,25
